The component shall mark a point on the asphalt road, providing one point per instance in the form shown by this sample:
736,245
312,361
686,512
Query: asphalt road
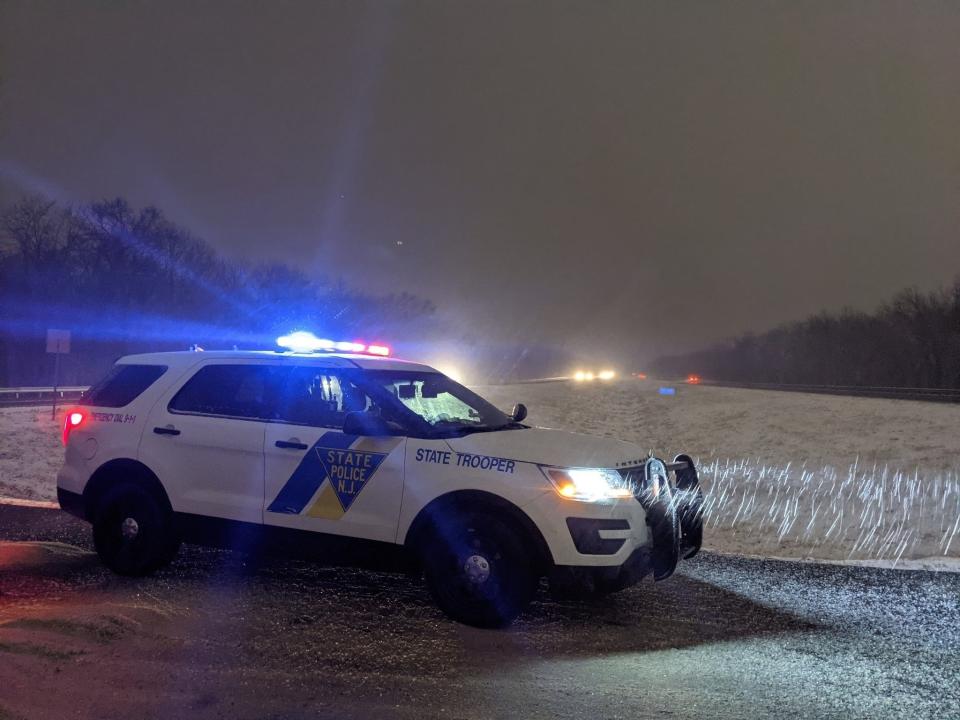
218,636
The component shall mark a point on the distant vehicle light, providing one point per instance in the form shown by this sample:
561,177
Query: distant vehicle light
693,379
589,375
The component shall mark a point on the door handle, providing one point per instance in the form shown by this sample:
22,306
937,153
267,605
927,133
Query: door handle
290,445
170,430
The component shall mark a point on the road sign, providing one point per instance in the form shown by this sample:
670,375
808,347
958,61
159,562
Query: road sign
58,341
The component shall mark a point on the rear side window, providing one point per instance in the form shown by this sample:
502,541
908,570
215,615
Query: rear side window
122,385
242,391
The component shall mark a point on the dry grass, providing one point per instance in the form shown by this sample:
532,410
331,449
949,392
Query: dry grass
862,513
786,474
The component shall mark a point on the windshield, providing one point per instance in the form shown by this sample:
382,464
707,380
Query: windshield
435,402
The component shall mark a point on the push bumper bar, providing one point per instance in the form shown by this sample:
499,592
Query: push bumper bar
674,512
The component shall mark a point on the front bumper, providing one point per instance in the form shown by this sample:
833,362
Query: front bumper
674,527
675,518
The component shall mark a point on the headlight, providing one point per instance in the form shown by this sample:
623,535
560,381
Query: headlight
589,484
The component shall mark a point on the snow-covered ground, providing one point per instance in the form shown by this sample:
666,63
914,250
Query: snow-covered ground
30,453
786,474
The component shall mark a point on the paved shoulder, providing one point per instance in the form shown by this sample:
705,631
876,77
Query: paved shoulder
216,635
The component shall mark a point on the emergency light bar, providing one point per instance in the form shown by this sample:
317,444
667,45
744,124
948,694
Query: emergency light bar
305,342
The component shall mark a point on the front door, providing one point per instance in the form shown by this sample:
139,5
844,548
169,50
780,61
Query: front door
317,477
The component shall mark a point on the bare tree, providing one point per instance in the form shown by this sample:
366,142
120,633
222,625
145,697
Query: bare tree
128,279
911,341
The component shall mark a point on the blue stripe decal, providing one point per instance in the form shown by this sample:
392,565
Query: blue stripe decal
336,439
309,475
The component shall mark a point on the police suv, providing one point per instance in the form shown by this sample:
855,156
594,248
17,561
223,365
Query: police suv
329,453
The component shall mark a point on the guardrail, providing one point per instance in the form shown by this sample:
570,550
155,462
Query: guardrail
892,393
22,396
535,381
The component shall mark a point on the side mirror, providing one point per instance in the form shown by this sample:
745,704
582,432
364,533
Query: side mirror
366,423
519,412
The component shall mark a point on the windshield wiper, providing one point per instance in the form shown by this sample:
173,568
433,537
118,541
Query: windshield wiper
457,429
490,428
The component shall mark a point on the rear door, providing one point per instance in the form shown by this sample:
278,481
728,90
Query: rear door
317,477
204,439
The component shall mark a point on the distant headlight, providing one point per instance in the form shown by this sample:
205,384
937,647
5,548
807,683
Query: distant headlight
589,484
588,375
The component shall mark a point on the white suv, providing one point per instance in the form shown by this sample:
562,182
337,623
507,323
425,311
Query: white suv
325,454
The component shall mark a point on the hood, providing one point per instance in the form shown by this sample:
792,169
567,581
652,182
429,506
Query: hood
551,447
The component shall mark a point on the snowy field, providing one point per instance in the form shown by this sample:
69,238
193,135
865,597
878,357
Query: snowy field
30,453
786,474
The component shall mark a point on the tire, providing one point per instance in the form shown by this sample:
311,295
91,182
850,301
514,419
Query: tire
132,533
477,569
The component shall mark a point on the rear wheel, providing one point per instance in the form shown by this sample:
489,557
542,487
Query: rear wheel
132,534
477,569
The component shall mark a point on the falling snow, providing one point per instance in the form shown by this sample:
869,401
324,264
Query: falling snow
867,512
785,474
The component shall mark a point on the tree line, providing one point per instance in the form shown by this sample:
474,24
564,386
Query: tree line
913,340
125,279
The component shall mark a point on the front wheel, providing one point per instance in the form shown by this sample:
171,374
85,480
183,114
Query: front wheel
131,532
477,570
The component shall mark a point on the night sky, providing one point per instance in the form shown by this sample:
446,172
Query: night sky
642,177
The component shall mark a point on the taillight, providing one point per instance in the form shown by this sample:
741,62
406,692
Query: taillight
73,420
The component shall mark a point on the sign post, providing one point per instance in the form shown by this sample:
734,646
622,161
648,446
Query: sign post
58,343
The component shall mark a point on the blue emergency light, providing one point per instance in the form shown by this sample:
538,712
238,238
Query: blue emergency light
668,391
306,342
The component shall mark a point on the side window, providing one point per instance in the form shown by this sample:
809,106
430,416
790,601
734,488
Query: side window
243,391
318,397
122,385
